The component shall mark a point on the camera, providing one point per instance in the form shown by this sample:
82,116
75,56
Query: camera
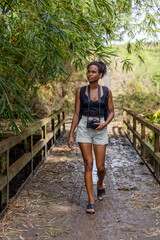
92,123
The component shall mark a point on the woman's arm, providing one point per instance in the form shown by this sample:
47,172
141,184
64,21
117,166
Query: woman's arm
75,119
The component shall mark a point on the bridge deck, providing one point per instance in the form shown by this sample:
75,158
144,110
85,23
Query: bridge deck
52,205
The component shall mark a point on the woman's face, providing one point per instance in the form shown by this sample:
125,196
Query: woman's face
93,74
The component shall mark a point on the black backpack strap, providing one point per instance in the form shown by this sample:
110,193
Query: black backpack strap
106,94
82,92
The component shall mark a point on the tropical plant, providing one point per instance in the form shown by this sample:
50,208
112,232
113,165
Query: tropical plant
39,39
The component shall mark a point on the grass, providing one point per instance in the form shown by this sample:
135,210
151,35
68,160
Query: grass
138,90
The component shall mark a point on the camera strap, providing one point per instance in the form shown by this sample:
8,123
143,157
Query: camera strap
89,99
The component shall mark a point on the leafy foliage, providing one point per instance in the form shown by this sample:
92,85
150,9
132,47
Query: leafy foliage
155,117
140,89
127,65
38,38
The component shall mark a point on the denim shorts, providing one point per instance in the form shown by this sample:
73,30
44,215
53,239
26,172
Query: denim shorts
89,135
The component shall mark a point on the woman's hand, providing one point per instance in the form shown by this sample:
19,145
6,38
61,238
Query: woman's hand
100,126
70,142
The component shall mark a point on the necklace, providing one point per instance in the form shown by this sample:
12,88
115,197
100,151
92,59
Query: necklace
94,94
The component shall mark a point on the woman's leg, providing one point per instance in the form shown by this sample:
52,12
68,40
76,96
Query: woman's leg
86,149
99,151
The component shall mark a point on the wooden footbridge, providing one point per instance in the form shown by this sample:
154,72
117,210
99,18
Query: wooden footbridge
22,155
27,151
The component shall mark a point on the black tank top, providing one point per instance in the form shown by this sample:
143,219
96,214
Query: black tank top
94,106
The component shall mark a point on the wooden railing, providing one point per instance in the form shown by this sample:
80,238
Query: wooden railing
34,140
137,129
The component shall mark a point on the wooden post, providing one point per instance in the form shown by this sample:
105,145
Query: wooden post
134,128
27,148
128,121
7,177
157,170
156,149
32,153
156,142
63,119
142,137
59,120
44,133
54,136
3,171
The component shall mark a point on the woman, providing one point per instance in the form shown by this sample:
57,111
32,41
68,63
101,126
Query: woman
87,103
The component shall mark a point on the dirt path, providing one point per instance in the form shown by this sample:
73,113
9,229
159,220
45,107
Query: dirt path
52,205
